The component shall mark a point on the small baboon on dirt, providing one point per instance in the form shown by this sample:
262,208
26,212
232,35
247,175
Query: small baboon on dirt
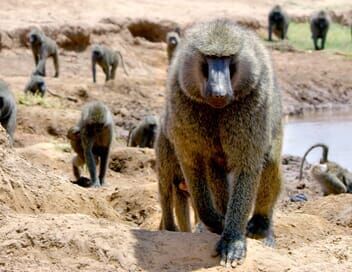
108,60
36,84
43,48
172,39
143,135
91,139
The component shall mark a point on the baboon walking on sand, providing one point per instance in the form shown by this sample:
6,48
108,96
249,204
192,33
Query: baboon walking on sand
222,132
42,48
91,139
108,60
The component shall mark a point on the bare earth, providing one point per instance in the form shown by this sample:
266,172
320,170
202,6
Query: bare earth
49,224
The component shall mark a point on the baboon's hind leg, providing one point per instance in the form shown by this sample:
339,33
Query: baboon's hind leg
166,165
260,225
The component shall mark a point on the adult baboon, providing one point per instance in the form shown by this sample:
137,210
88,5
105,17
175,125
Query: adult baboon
172,40
319,26
143,135
333,178
8,110
108,60
91,139
278,23
43,47
36,84
222,126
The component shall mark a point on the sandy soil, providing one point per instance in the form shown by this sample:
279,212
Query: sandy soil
49,224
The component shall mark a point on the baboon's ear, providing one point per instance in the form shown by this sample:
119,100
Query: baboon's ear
1,102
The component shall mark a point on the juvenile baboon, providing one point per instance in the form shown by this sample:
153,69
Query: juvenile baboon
108,60
222,126
333,178
172,39
43,47
8,110
36,84
91,139
143,135
278,23
319,26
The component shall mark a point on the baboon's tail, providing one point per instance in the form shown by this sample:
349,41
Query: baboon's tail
324,158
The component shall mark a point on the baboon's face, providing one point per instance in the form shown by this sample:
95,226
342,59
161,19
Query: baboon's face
217,73
209,79
211,64
42,86
173,41
97,53
322,23
34,38
277,16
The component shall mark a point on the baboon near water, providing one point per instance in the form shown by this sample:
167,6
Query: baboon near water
8,110
108,60
144,134
222,132
42,48
91,139
278,23
319,26
36,84
172,40
333,178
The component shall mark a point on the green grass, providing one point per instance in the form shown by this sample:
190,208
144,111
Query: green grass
338,38
32,100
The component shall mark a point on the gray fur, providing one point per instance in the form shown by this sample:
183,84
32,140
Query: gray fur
36,84
8,110
108,60
91,139
42,48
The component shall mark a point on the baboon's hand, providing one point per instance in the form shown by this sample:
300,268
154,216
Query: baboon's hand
96,184
231,250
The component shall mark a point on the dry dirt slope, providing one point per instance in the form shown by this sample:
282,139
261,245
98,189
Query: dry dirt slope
48,224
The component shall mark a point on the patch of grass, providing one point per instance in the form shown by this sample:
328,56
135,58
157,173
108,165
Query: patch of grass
33,100
338,38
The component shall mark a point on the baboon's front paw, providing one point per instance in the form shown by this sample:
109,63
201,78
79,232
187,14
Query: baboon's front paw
231,251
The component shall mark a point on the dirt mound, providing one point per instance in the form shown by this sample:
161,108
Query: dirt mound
132,160
151,31
79,242
27,189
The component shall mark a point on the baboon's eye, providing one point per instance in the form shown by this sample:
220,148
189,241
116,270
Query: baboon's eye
233,68
205,69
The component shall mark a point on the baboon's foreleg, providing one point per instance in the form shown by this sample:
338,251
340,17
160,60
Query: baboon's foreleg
56,64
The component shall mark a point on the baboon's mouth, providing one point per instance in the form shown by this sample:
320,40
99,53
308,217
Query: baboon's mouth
217,103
